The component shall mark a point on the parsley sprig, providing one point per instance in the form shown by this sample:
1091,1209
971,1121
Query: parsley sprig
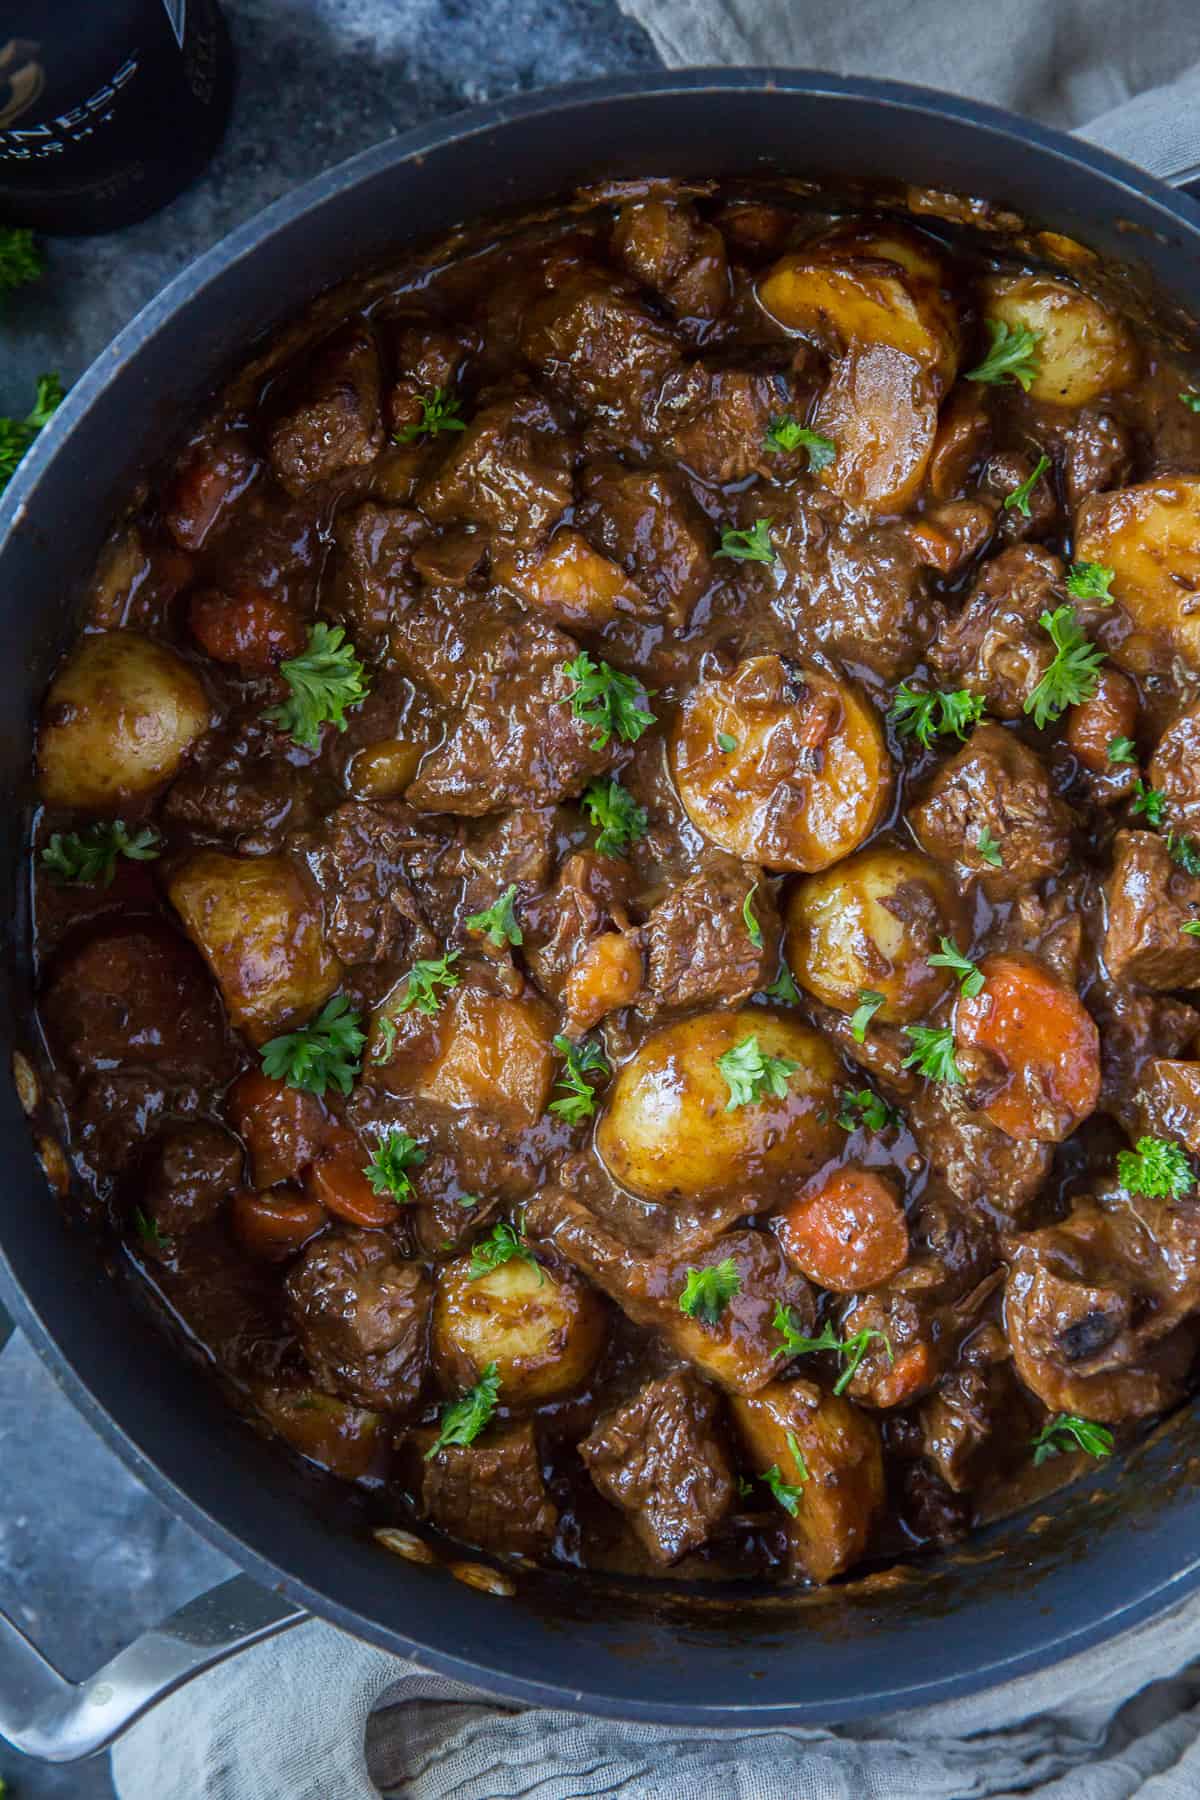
852,1349
324,681
1073,675
788,1494
933,1053
1183,849
1067,1431
784,988
750,1075
387,1170
785,434
707,1292
925,716
752,545
424,980
989,849
607,700
750,918
501,1244
616,814
16,435
463,1420
1122,750
20,258
1149,803
869,1003
439,412
328,1050
1191,399
499,921
970,975
1018,499
1012,357
869,1109
1090,581
581,1060
83,858
1158,1168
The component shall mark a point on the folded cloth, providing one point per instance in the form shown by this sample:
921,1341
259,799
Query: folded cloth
315,1715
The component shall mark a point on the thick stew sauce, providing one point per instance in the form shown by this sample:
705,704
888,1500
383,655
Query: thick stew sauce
618,883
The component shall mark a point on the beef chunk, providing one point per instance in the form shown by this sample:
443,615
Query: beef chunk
649,524
1175,770
1150,900
510,471
359,859
207,482
491,1493
516,849
995,646
715,420
372,567
1008,470
134,994
361,1314
1098,456
331,420
698,943
1135,1027
972,1422
600,349
997,784
1168,1102
193,1169
238,788
932,1511
666,246
511,737
977,1161
560,925
662,1458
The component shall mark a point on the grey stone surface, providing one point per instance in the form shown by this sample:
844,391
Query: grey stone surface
87,1557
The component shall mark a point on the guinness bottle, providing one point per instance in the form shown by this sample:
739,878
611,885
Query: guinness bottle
107,107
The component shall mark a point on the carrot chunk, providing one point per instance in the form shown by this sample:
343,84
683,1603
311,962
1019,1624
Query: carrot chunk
275,1225
337,1181
1038,1047
282,1127
1110,713
849,1234
253,630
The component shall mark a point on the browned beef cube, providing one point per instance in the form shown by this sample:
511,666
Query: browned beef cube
1099,455
1150,900
600,348
975,1159
995,645
650,525
1168,1102
510,470
996,784
699,946
1135,1027
194,1168
361,1313
662,1458
1008,470
667,247
491,1493
238,787
1175,770
372,566
359,858
715,420
136,995
208,482
333,422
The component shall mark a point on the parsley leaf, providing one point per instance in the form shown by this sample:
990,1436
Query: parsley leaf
925,715
1191,929
1013,355
151,1233
499,921
1191,399
387,1034
753,545
784,988
787,434
1122,750
869,1003
933,1053
468,1200
463,1420
707,1292
852,1349
439,412
423,981
327,1049
20,258
1066,1431
725,742
1072,676
325,680
607,700
989,849
868,1108
394,1156
788,1494
951,957
750,1076
1090,581
579,1102
1183,849
1159,1168
1150,802
82,858
1019,498
751,918
502,1243
16,435
614,810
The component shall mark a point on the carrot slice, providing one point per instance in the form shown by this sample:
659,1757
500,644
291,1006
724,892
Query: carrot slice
914,1372
849,1234
253,630
275,1225
337,1181
1040,1040
282,1127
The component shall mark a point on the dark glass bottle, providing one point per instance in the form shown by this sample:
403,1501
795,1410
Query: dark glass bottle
107,107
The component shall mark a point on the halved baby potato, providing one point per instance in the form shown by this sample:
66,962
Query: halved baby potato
1149,536
1083,350
880,408
543,1328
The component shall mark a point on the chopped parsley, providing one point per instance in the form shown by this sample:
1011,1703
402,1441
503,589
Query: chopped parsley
387,1170
501,1244
150,1232
499,921
324,681
1074,673
463,1420
579,1102
1019,497
468,1200
852,1349
925,716
387,1033
20,258
607,700
787,1494
1066,1431
867,1108
750,1075
423,981
787,434
439,412
1148,802
616,814
989,849
970,975
1090,581
753,545
16,435
83,858
1183,849
707,1292
751,918
783,988
725,742
1158,1168
1122,750
869,1003
933,1053
1191,399
1191,929
1013,355
326,1050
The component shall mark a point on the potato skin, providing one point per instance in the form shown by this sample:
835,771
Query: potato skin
1149,535
871,922
495,1053
772,800
118,720
259,929
543,1329
666,1133
1084,351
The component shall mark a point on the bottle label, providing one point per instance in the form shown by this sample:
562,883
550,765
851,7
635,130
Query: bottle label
177,19
53,136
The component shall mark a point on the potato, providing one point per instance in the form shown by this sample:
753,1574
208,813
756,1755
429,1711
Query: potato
808,776
118,720
872,922
842,1493
569,582
342,1438
669,1134
880,408
543,1329
494,1053
1149,536
259,928
1084,349
382,771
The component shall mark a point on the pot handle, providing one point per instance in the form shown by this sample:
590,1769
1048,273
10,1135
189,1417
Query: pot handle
1186,179
45,1715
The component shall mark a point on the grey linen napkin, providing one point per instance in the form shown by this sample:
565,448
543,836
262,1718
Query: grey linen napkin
316,1715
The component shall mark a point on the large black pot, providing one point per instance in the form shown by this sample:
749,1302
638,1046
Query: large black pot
1118,1551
